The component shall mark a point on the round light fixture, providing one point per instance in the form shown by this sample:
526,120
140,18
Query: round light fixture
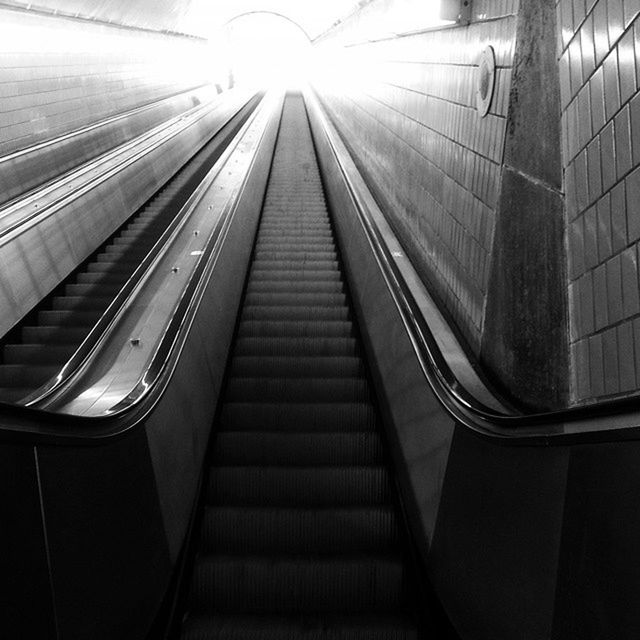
486,80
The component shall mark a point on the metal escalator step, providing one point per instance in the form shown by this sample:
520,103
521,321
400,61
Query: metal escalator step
296,328
251,448
21,375
288,225
301,417
296,627
298,234
110,264
131,234
55,333
262,266
101,277
284,313
296,347
128,248
38,353
289,275
126,239
80,303
69,316
285,585
14,394
317,532
296,367
88,289
293,255
298,486
321,390
288,244
294,286
296,299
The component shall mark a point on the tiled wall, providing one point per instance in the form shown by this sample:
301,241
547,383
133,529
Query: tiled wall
599,51
57,75
408,113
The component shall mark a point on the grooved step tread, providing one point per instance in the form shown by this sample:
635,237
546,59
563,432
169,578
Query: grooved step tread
301,346
296,328
294,313
307,417
287,390
299,486
254,584
252,448
309,367
318,532
297,627
38,353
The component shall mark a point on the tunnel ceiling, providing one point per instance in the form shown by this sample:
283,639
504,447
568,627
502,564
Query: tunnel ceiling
198,17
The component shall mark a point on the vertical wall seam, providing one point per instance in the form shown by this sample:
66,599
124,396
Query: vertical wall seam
46,543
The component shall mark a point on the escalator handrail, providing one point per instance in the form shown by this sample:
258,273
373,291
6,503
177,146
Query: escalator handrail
33,424
124,298
612,420
162,133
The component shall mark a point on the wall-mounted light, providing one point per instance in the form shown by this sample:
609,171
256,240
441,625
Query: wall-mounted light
486,81
456,10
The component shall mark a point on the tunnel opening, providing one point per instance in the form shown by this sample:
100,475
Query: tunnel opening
262,49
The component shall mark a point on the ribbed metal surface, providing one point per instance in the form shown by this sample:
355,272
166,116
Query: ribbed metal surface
299,537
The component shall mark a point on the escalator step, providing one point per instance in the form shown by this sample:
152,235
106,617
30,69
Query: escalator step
256,627
296,347
294,265
103,289
298,232
59,333
70,317
80,303
285,585
14,394
250,448
297,255
287,390
298,329
294,287
302,224
297,299
283,312
298,486
332,275
302,417
109,264
248,366
317,532
38,353
100,277
22,375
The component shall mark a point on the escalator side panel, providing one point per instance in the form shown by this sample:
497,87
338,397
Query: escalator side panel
421,433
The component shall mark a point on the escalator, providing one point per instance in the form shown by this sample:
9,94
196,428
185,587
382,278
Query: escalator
300,534
37,349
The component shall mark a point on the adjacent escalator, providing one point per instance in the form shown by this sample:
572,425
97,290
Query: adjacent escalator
38,348
300,533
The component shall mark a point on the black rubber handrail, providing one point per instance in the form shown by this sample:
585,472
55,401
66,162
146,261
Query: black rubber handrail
611,420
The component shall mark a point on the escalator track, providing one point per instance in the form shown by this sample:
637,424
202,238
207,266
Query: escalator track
36,350
300,533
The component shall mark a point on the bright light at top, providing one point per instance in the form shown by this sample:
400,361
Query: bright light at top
264,50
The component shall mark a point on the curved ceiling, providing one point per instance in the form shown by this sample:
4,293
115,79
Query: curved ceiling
197,17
